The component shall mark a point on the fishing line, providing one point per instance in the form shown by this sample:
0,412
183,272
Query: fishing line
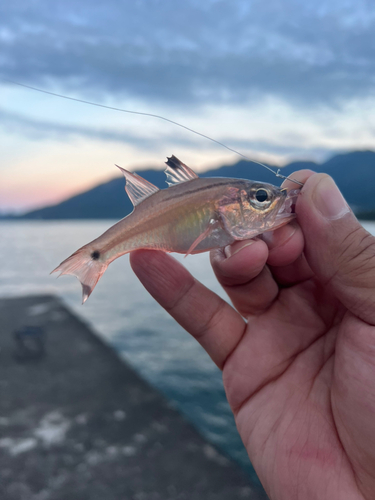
152,115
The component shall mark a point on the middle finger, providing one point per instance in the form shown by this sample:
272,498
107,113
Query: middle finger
241,271
250,284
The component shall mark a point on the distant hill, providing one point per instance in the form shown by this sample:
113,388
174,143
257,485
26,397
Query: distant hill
353,172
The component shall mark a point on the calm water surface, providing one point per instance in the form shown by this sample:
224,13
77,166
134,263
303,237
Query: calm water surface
123,313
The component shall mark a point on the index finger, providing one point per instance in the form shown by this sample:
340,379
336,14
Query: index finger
207,317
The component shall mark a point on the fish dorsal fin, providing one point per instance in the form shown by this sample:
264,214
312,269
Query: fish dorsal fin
138,189
178,172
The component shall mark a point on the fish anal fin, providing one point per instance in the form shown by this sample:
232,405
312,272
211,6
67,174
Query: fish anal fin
213,224
137,188
177,172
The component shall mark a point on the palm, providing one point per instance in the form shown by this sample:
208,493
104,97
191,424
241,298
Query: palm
287,403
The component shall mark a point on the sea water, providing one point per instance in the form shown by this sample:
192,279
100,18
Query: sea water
123,313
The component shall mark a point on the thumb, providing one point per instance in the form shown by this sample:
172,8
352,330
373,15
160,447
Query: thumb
339,250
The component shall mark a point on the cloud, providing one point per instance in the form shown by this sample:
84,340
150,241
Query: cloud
201,52
43,130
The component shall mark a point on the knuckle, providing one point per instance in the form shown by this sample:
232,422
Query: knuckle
181,291
211,321
358,254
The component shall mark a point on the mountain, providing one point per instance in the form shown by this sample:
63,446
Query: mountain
353,172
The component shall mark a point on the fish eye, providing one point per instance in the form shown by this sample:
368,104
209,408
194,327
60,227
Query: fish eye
261,195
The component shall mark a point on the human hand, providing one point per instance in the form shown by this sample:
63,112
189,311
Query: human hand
300,374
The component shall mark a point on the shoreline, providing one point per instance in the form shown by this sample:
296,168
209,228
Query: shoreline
78,420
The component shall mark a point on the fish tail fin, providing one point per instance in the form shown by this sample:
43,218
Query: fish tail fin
87,266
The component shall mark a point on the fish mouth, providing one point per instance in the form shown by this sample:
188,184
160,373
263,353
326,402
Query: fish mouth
288,208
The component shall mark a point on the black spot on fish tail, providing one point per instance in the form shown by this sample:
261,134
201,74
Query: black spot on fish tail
95,255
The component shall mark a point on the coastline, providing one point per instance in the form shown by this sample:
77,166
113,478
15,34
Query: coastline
78,422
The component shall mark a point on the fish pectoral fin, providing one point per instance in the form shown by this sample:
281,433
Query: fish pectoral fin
213,224
138,189
177,172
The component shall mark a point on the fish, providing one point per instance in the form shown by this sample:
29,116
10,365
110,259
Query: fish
191,216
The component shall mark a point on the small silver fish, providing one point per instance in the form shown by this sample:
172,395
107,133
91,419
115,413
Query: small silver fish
193,215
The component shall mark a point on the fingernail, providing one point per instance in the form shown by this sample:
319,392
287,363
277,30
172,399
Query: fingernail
279,237
236,247
328,199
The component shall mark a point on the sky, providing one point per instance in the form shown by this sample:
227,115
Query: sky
278,80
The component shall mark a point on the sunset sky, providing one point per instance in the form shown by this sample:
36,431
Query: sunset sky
278,80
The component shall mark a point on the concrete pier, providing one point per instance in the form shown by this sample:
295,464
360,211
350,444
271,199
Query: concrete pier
77,423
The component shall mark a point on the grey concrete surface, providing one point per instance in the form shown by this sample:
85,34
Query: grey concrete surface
77,423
